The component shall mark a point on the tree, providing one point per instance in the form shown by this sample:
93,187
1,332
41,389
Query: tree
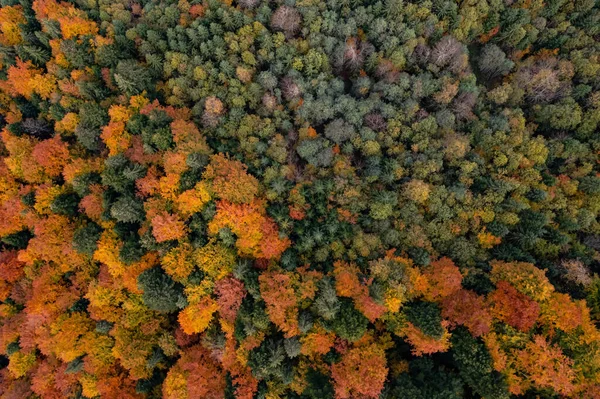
277,292
512,307
195,375
466,308
10,19
286,19
493,62
160,292
230,180
257,234
349,323
546,366
475,367
361,372
166,227
196,317
85,238
127,209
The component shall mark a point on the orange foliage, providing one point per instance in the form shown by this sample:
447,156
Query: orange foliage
10,19
11,216
257,233
52,155
193,200
546,366
441,279
513,307
279,296
148,185
26,80
188,139
195,318
466,308
317,343
174,162
423,344
73,22
347,284
195,375
361,373
48,298
52,242
50,381
230,180
91,204
67,332
115,137
562,312
166,227
118,386
11,270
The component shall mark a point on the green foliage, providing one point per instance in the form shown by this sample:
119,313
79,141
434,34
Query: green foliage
86,237
349,323
475,366
65,204
383,135
426,380
127,209
161,293
426,317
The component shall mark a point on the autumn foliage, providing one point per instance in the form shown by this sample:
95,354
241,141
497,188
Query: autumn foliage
305,199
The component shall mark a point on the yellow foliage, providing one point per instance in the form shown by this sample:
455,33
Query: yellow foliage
525,277
108,253
488,240
119,113
10,19
215,260
88,385
44,196
20,363
196,318
178,262
68,123
193,200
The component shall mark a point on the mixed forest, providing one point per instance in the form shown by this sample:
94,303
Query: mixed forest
303,199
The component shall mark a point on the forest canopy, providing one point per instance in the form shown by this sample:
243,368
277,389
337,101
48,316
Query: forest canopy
304,199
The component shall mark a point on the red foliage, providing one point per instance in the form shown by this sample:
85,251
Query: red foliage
230,293
466,308
512,307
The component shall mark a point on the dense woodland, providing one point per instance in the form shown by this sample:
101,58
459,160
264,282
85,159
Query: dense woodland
301,199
